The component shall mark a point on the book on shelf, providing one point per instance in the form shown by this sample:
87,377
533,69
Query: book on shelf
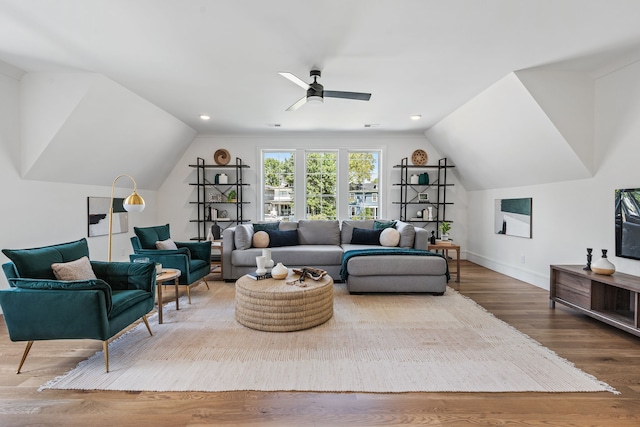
255,276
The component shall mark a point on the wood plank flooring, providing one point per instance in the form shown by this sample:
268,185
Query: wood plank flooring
612,356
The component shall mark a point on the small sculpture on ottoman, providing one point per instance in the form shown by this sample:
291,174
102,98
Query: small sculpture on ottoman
279,271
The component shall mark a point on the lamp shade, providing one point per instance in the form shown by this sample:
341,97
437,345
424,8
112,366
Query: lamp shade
134,203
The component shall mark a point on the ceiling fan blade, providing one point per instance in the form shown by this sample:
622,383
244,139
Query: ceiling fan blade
347,95
296,80
299,103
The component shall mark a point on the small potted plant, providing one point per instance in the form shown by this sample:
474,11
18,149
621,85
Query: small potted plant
232,197
445,227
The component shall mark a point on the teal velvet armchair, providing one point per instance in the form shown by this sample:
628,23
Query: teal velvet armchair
38,306
193,259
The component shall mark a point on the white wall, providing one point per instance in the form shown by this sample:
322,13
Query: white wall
569,216
175,194
38,213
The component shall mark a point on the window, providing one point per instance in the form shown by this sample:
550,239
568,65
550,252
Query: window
279,185
363,184
322,183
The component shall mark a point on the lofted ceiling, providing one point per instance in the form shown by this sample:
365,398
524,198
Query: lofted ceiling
465,66
222,57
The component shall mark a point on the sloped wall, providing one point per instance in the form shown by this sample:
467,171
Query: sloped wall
571,215
86,128
38,213
504,138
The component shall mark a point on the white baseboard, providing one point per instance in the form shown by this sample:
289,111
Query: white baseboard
517,272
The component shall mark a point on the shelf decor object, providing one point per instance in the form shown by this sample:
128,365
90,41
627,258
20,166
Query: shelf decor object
133,203
221,157
419,158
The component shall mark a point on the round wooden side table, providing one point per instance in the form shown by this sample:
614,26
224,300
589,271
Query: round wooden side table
166,275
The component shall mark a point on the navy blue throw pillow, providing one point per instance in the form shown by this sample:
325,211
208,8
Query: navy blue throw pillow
363,236
282,238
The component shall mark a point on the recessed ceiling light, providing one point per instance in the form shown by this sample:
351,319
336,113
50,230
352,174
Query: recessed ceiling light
204,117
416,117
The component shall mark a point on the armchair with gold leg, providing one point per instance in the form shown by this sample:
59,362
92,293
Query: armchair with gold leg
57,293
193,259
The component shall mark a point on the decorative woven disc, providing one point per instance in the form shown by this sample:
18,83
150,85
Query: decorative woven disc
419,157
221,156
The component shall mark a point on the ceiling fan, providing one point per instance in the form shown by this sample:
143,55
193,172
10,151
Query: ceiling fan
316,92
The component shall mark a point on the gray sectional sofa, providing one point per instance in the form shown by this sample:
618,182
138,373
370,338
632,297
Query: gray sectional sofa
322,244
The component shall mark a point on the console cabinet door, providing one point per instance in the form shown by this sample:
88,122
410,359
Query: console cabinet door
573,289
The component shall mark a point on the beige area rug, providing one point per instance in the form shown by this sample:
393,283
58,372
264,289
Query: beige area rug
373,343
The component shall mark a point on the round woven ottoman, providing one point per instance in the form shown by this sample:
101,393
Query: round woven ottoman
272,305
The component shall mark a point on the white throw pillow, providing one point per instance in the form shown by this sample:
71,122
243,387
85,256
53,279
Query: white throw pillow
166,244
79,269
390,237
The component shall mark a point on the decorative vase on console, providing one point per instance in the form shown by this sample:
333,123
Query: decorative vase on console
603,265
266,253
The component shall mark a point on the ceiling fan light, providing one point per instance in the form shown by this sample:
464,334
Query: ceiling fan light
315,99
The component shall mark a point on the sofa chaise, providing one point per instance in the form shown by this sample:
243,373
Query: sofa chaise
404,267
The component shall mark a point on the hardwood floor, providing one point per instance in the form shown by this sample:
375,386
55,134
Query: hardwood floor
607,353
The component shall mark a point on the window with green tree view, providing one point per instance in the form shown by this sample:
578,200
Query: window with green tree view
332,184
279,185
322,182
363,185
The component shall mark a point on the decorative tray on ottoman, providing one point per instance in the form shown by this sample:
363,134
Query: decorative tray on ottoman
310,272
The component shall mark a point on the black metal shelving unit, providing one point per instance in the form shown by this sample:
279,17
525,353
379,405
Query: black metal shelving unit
410,193
205,181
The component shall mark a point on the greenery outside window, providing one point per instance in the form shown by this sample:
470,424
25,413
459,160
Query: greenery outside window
363,184
279,185
321,184
331,184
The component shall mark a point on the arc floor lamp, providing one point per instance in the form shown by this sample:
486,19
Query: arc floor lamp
133,203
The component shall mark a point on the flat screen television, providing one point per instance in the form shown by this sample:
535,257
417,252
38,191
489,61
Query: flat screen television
628,223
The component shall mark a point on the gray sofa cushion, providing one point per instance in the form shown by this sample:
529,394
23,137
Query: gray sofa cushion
319,232
243,236
407,234
288,225
397,265
348,225
292,256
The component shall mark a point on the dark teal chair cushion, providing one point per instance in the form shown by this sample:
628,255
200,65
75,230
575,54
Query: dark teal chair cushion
76,285
150,235
123,300
35,263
